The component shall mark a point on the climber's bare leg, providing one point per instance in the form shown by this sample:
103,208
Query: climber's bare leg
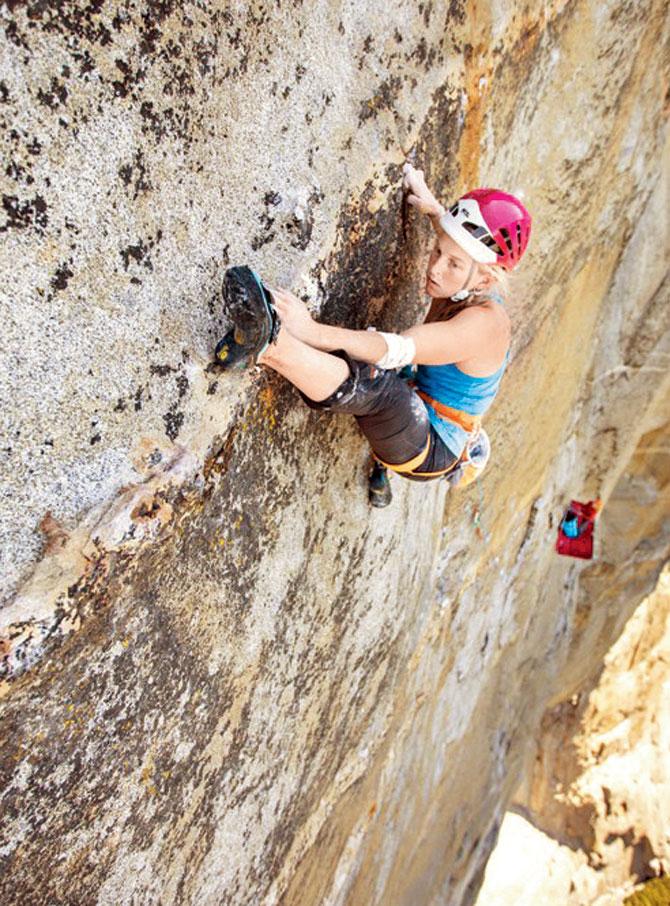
317,374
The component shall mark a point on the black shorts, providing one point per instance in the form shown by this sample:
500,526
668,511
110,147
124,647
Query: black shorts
393,418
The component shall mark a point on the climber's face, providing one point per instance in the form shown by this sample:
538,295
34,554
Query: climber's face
448,268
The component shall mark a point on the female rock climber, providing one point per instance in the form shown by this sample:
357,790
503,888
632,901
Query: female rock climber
418,429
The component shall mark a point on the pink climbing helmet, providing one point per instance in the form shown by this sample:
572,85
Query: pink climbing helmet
493,227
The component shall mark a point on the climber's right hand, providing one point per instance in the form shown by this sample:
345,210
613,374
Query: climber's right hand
294,314
418,193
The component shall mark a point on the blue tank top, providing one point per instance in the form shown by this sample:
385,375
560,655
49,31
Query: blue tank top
452,387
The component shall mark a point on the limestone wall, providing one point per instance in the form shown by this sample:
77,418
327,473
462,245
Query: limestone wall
227,680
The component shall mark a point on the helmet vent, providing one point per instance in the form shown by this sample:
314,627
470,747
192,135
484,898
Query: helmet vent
474,229
504,232
490,242
482,234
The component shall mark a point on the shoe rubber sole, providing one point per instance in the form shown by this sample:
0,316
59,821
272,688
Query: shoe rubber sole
248,303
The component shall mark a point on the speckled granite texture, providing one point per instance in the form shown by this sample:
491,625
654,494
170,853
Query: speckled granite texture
226,679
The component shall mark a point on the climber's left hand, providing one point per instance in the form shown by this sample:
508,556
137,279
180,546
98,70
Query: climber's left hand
418,193
294,314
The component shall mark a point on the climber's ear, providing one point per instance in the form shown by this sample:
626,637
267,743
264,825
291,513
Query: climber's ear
485,278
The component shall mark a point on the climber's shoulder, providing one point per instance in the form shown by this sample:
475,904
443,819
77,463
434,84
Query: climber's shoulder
490,318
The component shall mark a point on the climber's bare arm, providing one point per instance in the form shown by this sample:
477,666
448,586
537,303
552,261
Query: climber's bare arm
364,345
472,335
477,335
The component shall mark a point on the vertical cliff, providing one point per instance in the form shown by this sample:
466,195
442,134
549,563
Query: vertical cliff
226,679
590,819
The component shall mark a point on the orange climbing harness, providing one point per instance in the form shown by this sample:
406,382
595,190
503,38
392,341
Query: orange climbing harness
469,423
464,420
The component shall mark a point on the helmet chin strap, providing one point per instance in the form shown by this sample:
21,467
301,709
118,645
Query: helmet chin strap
464,293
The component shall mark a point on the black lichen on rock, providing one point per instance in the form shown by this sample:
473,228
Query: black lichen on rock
134,175
138,253
61,277
22,214
161,370
54,96
182,385
173,421
384,98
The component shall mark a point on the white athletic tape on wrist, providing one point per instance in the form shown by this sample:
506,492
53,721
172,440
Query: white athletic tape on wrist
400,351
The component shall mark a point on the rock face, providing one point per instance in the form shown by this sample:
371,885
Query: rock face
227,680
592,816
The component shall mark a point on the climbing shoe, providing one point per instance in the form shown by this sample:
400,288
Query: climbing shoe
379,486
232,351
248,304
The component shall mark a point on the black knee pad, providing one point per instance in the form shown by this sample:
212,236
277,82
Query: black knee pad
364,383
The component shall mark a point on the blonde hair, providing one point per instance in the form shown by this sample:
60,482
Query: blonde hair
502,279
